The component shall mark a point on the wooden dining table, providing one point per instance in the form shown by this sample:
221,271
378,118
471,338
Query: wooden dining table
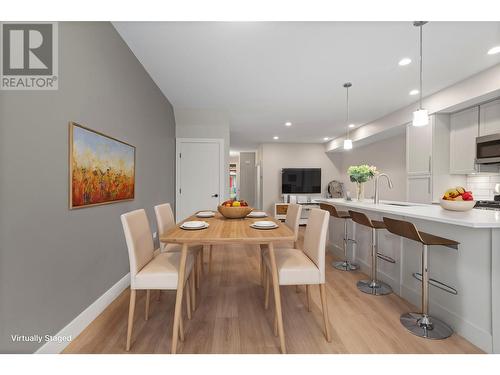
222,231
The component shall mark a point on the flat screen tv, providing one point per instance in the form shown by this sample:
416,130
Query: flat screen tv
301,181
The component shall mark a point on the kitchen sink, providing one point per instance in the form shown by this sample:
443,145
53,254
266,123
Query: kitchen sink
399,204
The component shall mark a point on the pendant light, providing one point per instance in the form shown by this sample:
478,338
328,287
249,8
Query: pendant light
420,116
347,141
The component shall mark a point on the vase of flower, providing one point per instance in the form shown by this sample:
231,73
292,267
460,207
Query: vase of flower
361,174
360,191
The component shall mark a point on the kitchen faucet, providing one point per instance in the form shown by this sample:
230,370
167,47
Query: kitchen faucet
376,196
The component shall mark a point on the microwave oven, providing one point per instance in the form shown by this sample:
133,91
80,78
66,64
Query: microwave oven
488,149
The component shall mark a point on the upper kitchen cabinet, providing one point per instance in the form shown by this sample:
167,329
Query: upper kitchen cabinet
428,160
489,121
464,128
419,149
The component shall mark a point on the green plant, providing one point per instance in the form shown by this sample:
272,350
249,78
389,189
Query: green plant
361,173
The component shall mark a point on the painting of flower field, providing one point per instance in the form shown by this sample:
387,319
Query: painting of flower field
102,169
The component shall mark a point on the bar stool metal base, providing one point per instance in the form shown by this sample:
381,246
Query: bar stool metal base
345,266
426,327
377,288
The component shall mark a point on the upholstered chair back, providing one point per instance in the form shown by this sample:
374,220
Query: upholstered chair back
293,217
164,220
315,238
139,239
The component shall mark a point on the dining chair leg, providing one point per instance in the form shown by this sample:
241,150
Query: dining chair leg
146,312
181,329
178,298
262,270
198,269
277,297
210,258
131,310
266,290
188,299
275,324
324,307
193,291
203,259
308,297
159,295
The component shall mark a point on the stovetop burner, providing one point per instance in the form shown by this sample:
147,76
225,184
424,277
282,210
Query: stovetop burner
488,205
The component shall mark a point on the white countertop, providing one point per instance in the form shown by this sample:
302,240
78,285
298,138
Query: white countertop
474,218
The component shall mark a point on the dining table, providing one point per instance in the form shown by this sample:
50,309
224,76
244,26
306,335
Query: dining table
222,231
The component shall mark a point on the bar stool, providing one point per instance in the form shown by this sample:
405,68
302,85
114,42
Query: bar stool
345,265
372,286
422,324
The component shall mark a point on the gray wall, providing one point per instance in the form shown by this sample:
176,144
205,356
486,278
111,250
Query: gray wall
276,156
205,123
248,178
55,262
388,155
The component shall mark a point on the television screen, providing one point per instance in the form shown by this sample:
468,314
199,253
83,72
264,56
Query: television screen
301,181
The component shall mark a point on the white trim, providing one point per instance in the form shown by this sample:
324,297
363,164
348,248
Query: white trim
178,142
87,316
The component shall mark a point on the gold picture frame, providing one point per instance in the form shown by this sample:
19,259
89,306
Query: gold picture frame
101,168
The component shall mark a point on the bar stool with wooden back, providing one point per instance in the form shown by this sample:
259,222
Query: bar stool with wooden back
346,264
372,286
422,324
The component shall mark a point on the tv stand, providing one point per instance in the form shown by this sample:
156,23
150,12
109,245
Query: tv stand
280,210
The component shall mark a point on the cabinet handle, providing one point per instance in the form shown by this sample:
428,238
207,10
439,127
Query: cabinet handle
430,163
429,186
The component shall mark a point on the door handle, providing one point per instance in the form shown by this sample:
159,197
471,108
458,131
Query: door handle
215,195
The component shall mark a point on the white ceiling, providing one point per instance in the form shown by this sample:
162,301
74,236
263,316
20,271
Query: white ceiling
263,74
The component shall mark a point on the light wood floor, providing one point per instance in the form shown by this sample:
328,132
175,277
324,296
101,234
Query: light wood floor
230,318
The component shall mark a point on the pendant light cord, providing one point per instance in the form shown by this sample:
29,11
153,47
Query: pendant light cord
420,102
347,88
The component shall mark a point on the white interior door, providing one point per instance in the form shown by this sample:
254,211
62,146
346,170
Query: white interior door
200,175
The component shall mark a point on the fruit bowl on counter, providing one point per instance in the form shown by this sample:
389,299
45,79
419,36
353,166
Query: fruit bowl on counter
457,199
234,209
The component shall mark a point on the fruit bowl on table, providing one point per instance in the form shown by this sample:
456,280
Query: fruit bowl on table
457,205
234,212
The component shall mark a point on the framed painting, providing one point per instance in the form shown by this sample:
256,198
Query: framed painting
101,168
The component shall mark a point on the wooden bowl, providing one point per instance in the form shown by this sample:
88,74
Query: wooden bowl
457,205
234,212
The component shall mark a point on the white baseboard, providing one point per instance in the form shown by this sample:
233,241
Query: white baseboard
87,316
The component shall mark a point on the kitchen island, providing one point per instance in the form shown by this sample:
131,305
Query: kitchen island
473,271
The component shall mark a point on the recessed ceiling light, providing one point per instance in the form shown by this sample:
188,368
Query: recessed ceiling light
414,92
494,50
326,138
352,126
288,123
276,137
404,61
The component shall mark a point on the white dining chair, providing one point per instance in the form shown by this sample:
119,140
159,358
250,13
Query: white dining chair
292,220
304,266
150,270
165,221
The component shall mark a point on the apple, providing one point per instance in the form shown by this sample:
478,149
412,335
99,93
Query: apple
467,196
